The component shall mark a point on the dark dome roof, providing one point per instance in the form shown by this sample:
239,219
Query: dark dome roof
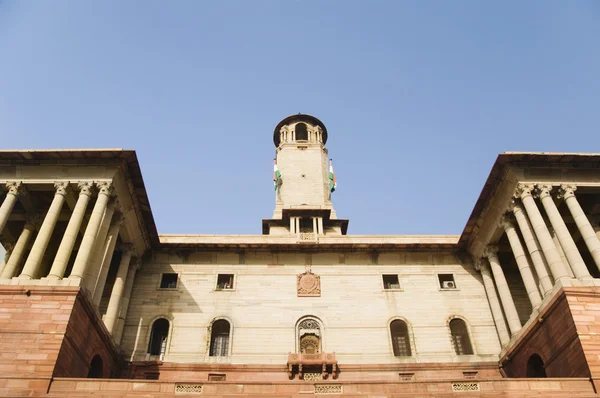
299,118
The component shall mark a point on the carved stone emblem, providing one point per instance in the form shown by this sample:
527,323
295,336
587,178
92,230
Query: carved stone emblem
309,284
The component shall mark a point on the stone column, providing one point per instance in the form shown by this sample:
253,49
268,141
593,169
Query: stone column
292,225
566,241
522,262
63,254
125,303
537,258
98,252
583,224
512,316
315,225
320,225
490,291
117,291
91,232
31,269
541,231
109,249
16,256
9,202
9,248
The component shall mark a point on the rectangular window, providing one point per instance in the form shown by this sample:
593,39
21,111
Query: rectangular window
224,281
168,281
217,377
446,281
391,282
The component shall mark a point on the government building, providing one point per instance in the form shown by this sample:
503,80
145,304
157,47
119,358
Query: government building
95,302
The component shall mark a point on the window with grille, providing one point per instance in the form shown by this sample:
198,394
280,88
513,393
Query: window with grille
400,338
224,281
460,337
219,338
391,282
158,337
168,281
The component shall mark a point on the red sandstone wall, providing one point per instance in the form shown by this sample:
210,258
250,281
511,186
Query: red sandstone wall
85,337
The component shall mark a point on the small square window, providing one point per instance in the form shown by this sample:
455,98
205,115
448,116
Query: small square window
391,282
168,281
225,282
446,281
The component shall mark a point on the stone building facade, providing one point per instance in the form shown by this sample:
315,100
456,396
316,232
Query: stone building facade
94,301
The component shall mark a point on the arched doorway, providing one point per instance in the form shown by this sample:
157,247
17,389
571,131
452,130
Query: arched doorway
535,367
96,370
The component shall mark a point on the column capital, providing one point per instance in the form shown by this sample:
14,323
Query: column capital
14,187
481,265
490,251
127,249
33,220
61,187
544,190
117,219
523,190
105,187
112,203
85,188
566,191
506,222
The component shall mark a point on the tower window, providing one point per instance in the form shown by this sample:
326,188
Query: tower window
391,282
400,338
219,338
306,225
168,281
460,337
158,337
301,132
446,281
224,281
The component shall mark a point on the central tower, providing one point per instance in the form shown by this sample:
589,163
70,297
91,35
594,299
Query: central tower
303,193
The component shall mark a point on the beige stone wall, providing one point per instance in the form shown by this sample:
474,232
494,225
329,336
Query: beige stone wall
353,306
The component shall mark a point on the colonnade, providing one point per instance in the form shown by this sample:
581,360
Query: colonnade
315,134
540,255
95,252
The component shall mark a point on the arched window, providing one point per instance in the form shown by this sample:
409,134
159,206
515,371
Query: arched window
158,337
400,338
460,337
309,336
219,338
535,366
301,132
96,368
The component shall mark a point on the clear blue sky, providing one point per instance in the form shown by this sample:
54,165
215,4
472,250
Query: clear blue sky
419,97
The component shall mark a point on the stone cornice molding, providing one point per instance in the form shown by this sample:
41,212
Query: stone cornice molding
62,187
14,187
566,191
490,251
523,190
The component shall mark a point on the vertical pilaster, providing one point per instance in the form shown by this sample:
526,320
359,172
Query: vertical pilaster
99,246
109,250
32,265
541,231
583,224
490,291
125,303
512,316
9,202
59,266
566,241
522,262
537,258
12,266
117,291
80,268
